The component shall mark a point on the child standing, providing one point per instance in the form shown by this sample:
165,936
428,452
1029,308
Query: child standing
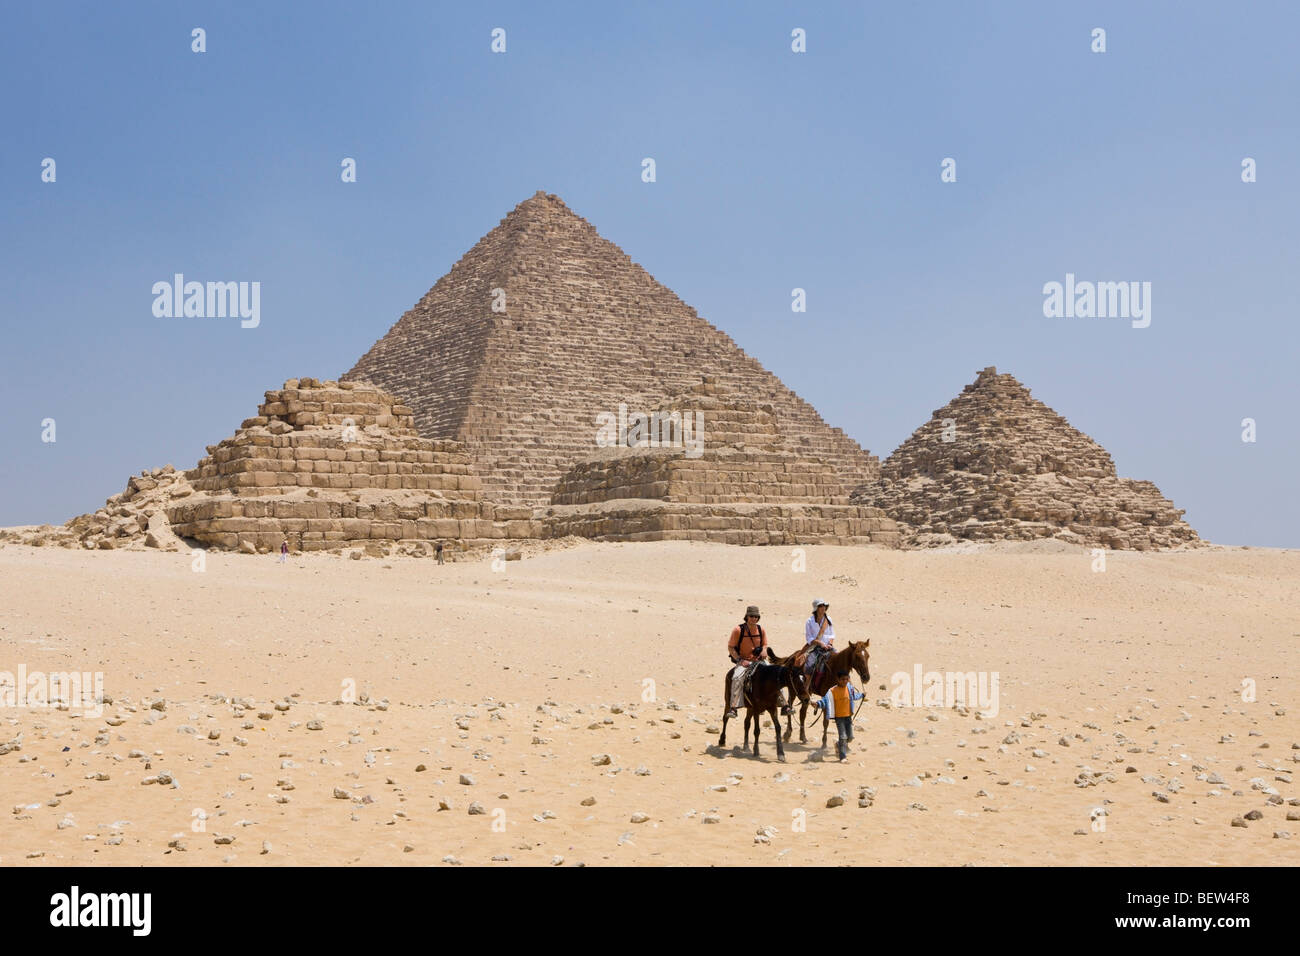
284,550
838,704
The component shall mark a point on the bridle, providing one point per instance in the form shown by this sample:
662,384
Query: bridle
865,674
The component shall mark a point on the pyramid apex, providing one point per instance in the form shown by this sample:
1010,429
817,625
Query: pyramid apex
991,378
542,206
990,374
542,198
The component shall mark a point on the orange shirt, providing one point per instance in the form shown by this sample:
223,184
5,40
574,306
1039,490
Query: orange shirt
746,646
843,701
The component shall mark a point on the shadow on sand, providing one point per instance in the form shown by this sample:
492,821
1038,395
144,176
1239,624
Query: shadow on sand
803,753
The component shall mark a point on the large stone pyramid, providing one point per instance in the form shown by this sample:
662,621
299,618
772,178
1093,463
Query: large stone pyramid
578,329
997,464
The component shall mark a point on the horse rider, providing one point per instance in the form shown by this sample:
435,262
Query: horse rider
746,648
819,631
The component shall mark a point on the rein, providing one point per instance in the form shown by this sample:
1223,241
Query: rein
860,703
821,714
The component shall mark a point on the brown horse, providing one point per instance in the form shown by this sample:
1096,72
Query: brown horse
762,696
854,657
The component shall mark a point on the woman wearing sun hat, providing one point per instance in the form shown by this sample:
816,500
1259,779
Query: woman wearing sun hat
819,630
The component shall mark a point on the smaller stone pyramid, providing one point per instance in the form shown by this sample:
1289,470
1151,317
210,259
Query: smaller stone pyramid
997,464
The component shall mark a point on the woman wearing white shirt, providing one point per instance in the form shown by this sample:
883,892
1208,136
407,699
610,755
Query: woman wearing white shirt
820,631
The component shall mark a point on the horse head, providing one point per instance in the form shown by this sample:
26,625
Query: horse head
796,680
860,661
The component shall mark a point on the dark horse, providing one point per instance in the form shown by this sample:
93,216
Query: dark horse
796,682
855,657
763,696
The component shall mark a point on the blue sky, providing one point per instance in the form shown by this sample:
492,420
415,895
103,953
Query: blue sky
775,170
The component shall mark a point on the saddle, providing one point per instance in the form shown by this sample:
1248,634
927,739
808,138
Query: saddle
748,677
815,665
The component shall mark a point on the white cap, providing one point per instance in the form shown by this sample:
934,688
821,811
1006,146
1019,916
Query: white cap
820,603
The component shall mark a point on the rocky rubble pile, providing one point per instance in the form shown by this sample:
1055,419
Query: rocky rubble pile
136,518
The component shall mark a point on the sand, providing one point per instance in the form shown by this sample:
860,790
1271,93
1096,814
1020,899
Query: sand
519,677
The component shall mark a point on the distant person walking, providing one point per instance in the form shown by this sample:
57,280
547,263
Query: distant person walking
284,550
438,551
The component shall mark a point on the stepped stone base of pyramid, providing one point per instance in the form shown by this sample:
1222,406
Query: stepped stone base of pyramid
721,476
328,522
737,523
737,486
334,465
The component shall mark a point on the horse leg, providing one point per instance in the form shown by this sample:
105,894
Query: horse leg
776,725
726,706
803,716
757,724
746,745
826,726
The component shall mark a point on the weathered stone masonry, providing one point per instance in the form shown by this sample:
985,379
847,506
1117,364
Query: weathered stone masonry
335,465
584,328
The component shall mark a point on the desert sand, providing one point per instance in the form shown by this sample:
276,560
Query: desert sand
520,678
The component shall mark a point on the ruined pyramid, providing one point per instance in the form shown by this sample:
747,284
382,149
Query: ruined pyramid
330,465
997,464
543,325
